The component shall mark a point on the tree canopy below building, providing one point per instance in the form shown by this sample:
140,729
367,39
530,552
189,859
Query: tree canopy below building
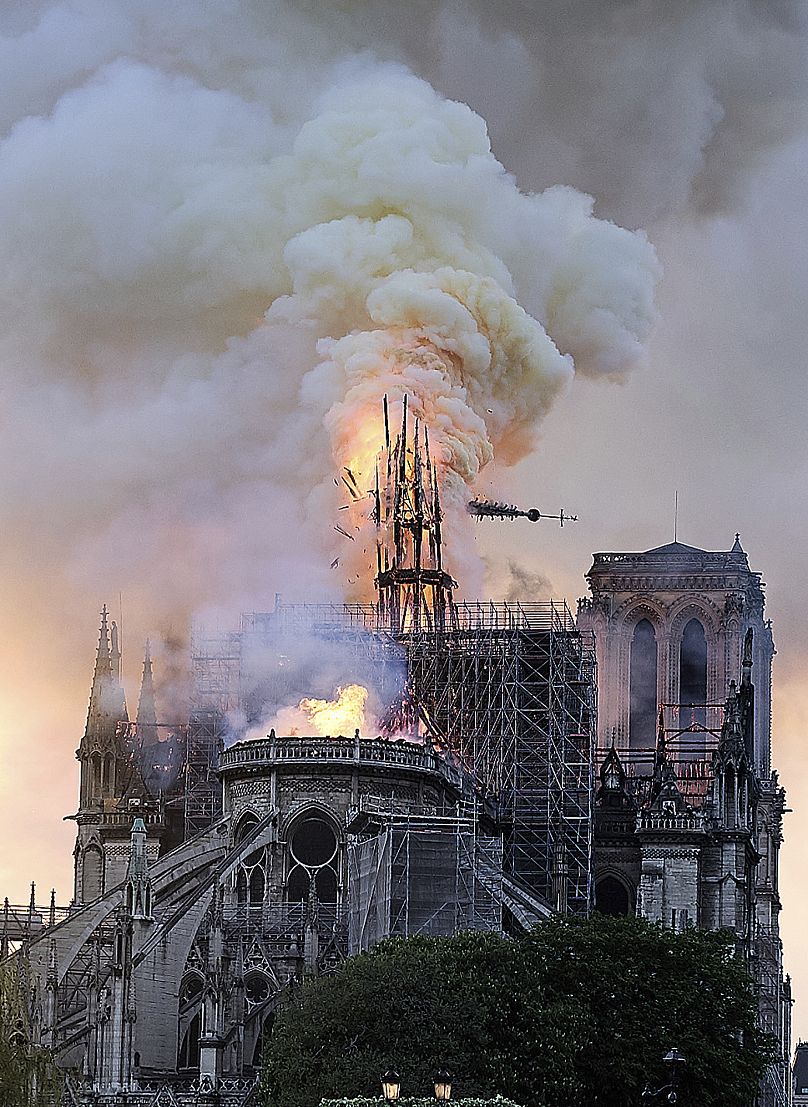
576,1011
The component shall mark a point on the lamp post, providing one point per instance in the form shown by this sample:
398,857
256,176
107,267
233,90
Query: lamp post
391,1085
443,1085
674,1059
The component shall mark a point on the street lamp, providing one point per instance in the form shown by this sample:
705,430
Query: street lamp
674,1060
391,1085
443,1085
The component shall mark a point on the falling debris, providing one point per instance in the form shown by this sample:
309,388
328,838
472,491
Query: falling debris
337,527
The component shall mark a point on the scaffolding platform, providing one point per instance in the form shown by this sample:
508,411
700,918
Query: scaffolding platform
427,875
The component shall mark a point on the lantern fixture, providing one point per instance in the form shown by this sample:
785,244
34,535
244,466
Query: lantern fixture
443,1085
675,1062
391,1085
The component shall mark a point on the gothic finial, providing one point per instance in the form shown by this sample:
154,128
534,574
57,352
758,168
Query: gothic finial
52,910
104,634
737,548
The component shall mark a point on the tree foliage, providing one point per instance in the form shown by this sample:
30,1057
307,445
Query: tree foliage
575,1012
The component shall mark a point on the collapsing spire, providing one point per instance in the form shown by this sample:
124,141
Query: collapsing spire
415,591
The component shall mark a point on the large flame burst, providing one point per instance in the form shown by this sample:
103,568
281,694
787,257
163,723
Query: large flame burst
312,717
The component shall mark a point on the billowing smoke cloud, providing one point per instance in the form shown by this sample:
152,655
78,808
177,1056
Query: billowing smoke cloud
203,271
227,228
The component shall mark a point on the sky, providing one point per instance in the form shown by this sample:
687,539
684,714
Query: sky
185,222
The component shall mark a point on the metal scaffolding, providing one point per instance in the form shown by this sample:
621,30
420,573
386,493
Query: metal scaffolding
510,691
507,694
215,692
428,875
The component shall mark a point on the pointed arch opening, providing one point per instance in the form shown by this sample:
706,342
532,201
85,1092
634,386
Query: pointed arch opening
693,675
643,686
92,874
612,897
257,885
190,1023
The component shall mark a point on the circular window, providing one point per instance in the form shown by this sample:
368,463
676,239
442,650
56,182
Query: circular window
256,988
313,843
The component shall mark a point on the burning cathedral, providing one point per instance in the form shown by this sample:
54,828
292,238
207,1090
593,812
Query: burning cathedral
519,762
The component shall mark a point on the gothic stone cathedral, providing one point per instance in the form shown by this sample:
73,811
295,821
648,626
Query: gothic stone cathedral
209,880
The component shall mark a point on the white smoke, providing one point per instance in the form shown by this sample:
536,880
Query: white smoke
197,279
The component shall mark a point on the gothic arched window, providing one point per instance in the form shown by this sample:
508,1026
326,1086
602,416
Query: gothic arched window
263,1035
693,674
95,776
643,686
257,885
190,1023
245,825
612,897
108,779
92,874
313,853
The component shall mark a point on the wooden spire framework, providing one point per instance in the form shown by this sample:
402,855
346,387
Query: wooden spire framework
414,589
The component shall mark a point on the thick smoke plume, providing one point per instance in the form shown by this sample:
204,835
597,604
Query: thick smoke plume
226,228
201,274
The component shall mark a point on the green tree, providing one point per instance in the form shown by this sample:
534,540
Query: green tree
575,1012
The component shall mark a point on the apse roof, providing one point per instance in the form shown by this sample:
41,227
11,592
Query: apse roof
676,548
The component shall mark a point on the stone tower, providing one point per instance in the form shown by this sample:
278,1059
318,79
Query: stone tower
669,626
689,814
112,790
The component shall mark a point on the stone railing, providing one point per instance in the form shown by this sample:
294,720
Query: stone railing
660,821
269,752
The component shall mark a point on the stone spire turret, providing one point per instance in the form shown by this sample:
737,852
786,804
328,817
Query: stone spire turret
146,707
107,703
138,884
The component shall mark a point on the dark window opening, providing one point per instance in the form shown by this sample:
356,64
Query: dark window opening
256,887
190,1019
313,842
326,884
263,1035
693,664
298,887
693,684
245,826
643,687
256,988
189,1048
611,897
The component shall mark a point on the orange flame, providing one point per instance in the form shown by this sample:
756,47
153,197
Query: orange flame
342,715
